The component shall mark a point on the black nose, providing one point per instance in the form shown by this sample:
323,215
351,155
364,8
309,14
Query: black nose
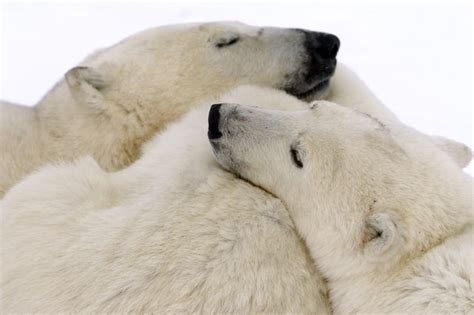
324,44
214,117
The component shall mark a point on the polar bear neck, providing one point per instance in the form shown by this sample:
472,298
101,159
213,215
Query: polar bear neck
439,281
355,287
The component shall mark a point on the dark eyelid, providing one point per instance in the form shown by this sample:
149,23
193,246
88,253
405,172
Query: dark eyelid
228,43
294,157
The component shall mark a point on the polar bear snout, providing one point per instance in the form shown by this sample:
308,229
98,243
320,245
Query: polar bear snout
311,81
221,118
226,129
238,132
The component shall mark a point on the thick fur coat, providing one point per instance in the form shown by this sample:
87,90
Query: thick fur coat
385,213
119,97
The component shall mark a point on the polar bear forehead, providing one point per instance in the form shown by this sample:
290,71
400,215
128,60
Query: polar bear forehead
165,36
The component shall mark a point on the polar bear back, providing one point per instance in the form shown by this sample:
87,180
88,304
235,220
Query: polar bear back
208,251
171,233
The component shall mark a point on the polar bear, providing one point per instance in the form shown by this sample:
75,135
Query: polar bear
171,233
118,97
386,215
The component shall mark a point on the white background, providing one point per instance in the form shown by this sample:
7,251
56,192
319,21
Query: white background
416,57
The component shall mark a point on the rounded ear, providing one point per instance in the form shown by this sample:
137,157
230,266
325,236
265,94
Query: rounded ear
381,237
85,85
458,151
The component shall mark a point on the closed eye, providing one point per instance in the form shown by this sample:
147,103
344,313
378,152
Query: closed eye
296,157
225,42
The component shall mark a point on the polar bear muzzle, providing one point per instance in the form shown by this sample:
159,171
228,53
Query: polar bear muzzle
320,64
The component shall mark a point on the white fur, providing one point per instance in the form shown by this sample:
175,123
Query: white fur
118,97
171,233
385,213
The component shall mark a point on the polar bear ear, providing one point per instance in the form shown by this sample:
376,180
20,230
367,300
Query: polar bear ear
458,151
380,237
85,85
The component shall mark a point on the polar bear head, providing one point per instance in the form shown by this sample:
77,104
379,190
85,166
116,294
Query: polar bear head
363,195
156,75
